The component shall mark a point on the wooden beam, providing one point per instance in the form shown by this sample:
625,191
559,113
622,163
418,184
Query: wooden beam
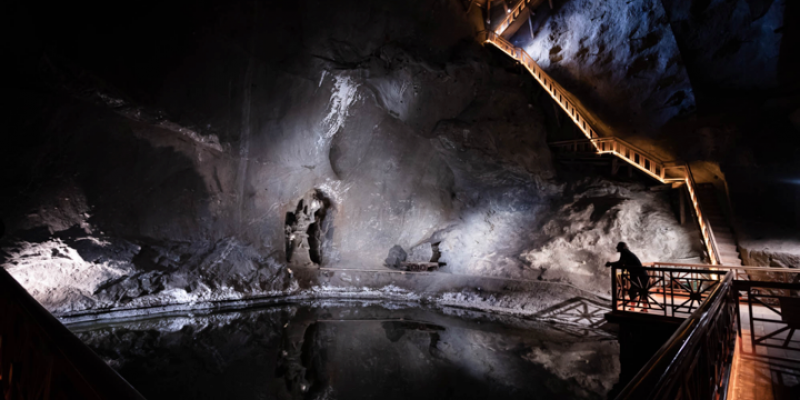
551,4
530,24
557,113
682,207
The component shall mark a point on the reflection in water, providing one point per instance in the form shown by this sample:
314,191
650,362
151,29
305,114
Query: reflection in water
356,350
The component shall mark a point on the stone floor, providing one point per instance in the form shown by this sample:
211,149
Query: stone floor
764,372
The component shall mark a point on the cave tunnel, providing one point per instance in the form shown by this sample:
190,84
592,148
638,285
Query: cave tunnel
557,199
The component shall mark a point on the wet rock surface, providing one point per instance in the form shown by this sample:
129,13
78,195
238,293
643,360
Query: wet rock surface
357,350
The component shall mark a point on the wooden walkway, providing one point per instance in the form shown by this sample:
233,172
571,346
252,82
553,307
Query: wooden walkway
764,373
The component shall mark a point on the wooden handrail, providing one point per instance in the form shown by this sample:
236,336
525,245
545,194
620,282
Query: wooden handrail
740,272
640,159
680,360
659,264
514,13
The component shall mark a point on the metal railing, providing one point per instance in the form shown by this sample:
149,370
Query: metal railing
642,160
782,305
40,358
695,362
671,292
740,272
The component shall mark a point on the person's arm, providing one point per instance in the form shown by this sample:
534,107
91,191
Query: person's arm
617,263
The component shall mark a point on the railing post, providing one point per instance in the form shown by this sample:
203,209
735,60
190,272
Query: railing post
614,287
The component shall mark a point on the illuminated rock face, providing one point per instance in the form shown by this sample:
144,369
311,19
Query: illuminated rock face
173,172
619,57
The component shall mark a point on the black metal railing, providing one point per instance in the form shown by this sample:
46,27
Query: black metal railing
777,311
41,358
672,292
695,362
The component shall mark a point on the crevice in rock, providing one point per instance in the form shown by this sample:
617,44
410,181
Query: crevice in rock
305,231
437,254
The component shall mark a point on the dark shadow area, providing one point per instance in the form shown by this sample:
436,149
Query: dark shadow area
90,164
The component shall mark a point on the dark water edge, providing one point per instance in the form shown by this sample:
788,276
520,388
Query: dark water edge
356,350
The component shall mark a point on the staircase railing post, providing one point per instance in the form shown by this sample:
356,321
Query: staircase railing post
614,287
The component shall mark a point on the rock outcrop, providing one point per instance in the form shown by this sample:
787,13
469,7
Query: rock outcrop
243,141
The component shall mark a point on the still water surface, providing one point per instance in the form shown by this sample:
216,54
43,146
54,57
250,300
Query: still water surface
357,350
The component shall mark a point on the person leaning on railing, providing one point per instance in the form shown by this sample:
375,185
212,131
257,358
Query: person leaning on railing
639,280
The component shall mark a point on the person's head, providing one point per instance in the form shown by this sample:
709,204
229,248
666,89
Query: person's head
622,246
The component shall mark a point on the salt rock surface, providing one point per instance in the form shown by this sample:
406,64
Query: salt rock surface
421,137
619,57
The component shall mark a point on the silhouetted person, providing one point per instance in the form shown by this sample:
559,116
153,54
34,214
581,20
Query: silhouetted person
639,277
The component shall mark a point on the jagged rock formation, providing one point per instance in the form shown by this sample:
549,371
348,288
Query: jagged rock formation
251,138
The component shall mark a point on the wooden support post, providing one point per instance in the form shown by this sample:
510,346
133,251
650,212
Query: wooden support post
488,14
682,207
558,114
630,171
530,24
551,4
614,166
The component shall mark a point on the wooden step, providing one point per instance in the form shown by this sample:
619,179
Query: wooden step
731,261
723,235
728,250
724,239
722,232
728,253
727,246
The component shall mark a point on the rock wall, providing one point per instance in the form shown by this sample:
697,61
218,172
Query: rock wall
730,46
619,57
205,157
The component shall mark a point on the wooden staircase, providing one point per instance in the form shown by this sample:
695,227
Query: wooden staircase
716,232
724,237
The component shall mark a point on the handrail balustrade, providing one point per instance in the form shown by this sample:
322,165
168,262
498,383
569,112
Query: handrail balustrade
695,362
640,159
514,13
672,292
740,272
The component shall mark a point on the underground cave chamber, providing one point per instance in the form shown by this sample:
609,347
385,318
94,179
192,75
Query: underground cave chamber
401,199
